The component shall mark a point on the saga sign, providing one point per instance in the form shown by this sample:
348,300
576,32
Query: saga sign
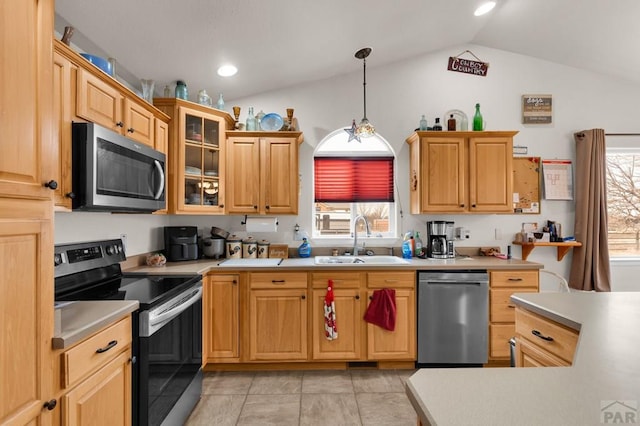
468,66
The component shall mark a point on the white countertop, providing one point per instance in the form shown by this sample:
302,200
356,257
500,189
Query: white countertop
206,265
606,368
75,321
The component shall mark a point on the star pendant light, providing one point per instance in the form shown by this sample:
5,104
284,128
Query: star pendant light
364,129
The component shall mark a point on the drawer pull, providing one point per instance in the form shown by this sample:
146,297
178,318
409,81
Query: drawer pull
515,279
542,336
110,345
511,306
390,281
278,281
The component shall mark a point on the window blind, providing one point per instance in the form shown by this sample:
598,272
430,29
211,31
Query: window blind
353,179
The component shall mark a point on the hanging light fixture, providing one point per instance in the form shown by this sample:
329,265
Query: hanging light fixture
364,129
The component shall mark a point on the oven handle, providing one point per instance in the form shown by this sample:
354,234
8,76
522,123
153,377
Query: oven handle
161,188
171,314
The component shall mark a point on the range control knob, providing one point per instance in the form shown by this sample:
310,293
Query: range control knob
110,250
57,259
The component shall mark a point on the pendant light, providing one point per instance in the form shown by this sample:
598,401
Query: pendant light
365,129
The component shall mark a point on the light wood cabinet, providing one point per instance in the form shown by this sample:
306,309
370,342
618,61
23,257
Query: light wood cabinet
83,92
262,172
221,309
399,344
543,342
27,153
502,284
278,316
461,172
96,378
196,157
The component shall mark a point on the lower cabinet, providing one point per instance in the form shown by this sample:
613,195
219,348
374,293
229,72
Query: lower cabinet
278,316
221,324
541,342
96,378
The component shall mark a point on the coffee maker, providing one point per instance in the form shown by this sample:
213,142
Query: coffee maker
451,251
437,246
181,243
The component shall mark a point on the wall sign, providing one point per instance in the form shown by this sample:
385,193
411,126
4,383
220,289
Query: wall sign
468,66
537,109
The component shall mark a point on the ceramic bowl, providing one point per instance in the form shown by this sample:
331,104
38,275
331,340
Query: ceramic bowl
99,62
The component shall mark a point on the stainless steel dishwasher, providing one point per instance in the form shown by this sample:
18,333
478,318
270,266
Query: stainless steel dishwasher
453,317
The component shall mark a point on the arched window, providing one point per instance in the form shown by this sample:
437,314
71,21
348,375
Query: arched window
354,179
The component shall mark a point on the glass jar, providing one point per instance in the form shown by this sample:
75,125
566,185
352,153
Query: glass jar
181,90
204,98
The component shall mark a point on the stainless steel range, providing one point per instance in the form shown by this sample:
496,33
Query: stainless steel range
167,375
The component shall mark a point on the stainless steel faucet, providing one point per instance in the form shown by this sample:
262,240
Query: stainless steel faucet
355,232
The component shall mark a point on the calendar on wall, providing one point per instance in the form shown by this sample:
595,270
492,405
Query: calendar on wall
557,176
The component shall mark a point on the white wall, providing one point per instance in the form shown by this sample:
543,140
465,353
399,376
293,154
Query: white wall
397,95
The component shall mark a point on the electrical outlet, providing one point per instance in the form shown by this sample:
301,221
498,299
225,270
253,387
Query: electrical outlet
123,237
498,234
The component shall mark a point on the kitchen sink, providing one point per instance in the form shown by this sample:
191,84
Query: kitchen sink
359,260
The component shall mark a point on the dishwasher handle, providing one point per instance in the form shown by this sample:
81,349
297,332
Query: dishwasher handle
458,282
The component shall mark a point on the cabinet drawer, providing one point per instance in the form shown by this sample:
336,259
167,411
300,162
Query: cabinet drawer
96,351
391,280
340,279
527,278
501,308
558,339
278,280
499,335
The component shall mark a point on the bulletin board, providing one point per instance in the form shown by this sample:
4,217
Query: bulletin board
526,185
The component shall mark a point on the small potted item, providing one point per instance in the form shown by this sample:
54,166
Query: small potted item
156,259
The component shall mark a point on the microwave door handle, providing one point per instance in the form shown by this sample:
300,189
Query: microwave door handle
161,186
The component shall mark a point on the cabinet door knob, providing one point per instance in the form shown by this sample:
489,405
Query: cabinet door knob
120,124
52,184
255,207
50,405
303,297
71,195
221,206
357,297
266,207
130,130
461,205
234,282
473,206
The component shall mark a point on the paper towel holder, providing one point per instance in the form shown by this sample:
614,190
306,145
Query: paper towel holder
244,222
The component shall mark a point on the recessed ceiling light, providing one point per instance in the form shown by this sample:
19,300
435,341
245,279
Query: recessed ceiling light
227,71
485,8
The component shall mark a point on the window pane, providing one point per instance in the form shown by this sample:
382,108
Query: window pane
623,203
336,219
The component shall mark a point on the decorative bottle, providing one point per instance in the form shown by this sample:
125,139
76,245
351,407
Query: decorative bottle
418,242
451,123
167,92
251,121
478,122
437,125
220,104
181,90
423,123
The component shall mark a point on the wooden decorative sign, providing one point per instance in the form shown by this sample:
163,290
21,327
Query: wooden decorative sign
537,109
468,66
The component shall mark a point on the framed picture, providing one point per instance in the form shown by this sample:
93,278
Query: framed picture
537,109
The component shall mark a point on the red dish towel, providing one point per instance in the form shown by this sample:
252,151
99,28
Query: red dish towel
382,309
330,326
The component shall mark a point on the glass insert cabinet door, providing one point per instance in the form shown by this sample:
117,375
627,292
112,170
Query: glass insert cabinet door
202,161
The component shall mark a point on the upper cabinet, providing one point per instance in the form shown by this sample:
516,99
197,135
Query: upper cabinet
262,172
196,156
461,172
82,92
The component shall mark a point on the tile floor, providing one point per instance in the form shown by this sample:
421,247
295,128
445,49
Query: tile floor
354,397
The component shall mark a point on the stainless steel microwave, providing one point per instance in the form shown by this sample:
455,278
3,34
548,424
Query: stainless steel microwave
113,173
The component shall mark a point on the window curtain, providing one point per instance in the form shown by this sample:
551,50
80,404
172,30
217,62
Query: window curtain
590,268
353,179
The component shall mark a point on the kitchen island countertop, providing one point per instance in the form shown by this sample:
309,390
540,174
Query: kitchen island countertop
605,371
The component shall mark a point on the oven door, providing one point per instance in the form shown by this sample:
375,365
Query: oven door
170,359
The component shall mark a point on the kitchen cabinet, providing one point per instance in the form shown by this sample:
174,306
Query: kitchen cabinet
502,284
461,172
399,344
221,308
348,301
262,172
83,92
278,316
27,164
196,157
96,378
542,342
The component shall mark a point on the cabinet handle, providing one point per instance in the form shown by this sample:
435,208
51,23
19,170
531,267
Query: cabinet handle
133,360
266,207
52,184
71,195
370,297
221,206
515,279
130,130
278,281
390,281
511,306
303,297
51,404
542,336
357,297
234,282
461,205
255,207
110,345
120,124
473,206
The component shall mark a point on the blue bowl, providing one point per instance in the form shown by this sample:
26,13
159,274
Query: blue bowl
99,62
